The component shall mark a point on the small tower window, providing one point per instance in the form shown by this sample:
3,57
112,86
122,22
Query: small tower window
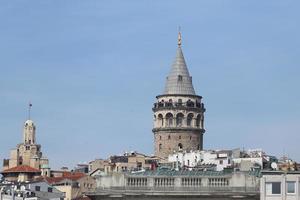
179,78
179,137
169,137
160,137
180,146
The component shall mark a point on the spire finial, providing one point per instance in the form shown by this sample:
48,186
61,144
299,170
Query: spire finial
179,36
29,109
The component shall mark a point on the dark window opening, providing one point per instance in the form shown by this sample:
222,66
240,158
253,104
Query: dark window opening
37,188
180,146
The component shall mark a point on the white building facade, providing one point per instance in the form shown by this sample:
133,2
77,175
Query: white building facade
278,185
219,158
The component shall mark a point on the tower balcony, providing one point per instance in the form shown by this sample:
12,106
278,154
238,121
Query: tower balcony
189,105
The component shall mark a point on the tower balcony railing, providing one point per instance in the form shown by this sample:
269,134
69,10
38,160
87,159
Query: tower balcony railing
178,105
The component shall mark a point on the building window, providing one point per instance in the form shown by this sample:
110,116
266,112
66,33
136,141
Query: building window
160,120
169,137
160,147
179,119
221,162
169,120
37,188
180,146
179,137
50,189
189,119
290,187
273,188
160,137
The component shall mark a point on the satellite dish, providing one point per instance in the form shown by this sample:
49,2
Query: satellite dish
274,166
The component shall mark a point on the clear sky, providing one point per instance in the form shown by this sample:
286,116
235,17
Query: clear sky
92,70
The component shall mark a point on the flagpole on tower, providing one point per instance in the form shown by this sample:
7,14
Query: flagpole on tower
29,109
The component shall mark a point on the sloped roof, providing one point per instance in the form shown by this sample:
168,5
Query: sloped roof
21,168
74,176
179,80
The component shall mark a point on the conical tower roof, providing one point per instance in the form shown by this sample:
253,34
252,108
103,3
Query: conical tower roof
179,80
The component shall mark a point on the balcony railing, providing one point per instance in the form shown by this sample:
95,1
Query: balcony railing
188,104
183,190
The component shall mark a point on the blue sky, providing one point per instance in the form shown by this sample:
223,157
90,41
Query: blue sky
92,70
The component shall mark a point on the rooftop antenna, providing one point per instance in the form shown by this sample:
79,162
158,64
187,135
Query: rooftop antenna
29,109
179,36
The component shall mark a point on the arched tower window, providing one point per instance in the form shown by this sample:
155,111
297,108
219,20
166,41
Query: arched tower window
160,120
180,146
179,119
189,119
169,119
198,120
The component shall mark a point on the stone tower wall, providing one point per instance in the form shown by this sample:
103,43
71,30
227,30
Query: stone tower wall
178,124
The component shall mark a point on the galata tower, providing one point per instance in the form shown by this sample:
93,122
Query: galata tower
178,112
